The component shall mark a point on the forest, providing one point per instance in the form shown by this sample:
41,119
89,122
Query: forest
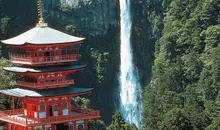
176,46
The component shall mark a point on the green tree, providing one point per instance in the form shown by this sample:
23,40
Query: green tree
176,119
96,125
215,125
71,29
4,26
7,81
119,124
184,88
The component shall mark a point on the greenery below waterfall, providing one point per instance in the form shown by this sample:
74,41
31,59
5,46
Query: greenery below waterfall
176,48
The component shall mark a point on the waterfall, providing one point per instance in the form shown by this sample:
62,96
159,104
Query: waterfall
131,100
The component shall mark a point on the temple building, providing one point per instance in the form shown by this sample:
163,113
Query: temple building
45,86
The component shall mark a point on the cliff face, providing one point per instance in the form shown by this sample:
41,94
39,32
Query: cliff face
76,3
144,35
92,17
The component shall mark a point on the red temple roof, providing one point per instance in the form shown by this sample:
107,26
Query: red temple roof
42,35
20,92
44,69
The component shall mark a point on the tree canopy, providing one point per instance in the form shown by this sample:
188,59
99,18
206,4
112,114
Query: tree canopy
7,81
119,124
184,90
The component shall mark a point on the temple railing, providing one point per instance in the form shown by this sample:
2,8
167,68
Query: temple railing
44,84
11,116
67,118
43,59
17,117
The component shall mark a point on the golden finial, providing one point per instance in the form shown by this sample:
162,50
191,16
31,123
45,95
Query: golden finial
40,13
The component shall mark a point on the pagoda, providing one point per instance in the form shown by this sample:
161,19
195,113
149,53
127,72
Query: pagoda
46,82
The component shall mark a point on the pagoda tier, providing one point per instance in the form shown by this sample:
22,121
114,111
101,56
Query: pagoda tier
42,35
46,77
43,45
49,106
44,54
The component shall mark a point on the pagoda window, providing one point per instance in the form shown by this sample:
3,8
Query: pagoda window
48,53
55,110
65,111
70,50
42,108
35,54
42,114
55,107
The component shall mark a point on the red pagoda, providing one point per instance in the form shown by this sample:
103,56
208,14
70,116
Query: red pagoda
46,85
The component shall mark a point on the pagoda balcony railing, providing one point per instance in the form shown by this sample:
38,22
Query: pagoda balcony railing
92,114
43,59
45,84
18,117
11,116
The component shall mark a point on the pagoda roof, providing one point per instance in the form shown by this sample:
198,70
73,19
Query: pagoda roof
42,35
44,69
20,92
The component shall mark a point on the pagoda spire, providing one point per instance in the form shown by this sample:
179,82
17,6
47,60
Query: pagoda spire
40,6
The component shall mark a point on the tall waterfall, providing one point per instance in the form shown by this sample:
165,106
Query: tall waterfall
131,104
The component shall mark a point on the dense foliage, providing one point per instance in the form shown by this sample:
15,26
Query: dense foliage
184,91
119,124
7,80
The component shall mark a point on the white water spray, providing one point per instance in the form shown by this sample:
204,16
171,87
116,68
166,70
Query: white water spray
131,104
